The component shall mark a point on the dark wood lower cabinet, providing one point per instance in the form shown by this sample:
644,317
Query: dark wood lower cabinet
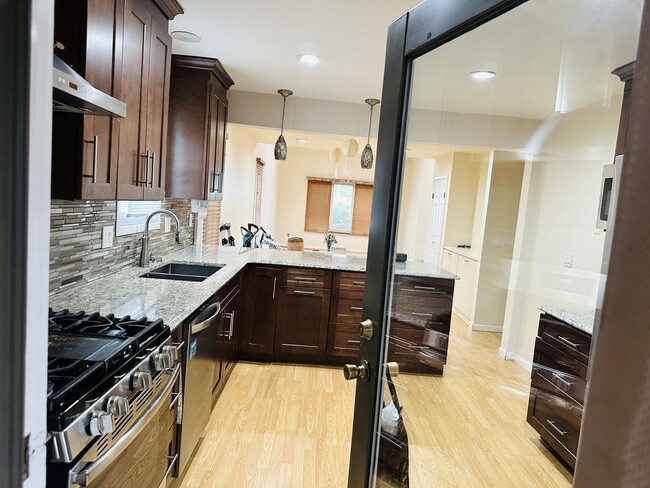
227,347
558,385
302,321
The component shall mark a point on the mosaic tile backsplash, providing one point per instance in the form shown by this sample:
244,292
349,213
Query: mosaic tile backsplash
76,254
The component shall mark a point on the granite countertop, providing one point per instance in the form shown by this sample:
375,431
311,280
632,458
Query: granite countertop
581,317
125,293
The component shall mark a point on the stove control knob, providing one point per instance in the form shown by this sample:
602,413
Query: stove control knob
172,351
118,406
141,380
161,361
101,423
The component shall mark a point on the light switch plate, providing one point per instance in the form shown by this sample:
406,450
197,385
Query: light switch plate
107,237
168,224
568,260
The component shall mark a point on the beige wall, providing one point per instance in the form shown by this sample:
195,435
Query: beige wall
557,215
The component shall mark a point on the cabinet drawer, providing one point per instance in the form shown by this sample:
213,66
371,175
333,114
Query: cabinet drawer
420,286
414,357
565,388
306,277
350,281
566,338
554,419
346,340
350,310
561,370
304,291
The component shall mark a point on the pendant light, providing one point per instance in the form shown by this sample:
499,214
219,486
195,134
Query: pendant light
366,156
281,145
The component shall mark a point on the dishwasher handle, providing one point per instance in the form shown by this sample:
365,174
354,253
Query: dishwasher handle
204,319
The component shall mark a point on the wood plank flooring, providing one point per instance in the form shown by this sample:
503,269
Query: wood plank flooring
289,426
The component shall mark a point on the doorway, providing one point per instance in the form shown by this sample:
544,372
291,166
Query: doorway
436,220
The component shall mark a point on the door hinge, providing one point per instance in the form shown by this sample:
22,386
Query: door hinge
433,195
26,457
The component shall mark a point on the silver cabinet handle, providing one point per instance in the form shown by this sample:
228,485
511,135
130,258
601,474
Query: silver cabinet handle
359,283
424,288
351,341
153,168
357,308
217,177
555,427
231,326
566,341
422,314
212,188
139,182
304,278
172,461
301,292
177,397
95,142
274,282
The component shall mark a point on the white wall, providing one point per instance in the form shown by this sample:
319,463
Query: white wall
557,215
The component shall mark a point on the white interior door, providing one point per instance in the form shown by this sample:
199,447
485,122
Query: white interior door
436,220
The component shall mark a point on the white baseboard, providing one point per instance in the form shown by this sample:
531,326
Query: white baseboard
512,356
462,318
487,327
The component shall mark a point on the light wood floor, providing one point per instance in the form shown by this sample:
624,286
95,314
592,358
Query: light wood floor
290,426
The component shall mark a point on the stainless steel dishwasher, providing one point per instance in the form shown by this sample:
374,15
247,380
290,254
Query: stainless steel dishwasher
201,339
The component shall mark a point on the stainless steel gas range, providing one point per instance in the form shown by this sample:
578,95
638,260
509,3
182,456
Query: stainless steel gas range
114,401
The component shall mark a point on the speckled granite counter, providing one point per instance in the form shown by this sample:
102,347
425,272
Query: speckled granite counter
125,293
580,317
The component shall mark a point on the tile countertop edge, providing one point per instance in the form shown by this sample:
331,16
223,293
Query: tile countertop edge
125,293
580,317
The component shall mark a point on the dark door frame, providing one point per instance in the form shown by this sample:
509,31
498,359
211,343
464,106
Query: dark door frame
14,140
427,26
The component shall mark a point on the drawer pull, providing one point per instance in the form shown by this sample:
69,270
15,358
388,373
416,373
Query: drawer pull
304,278
351,341
357,308
425,288
417,348
564,382
566,341
555,427
359,283
301,292
422,314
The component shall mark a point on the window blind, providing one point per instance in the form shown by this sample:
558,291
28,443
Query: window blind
317,212
362,209
259,180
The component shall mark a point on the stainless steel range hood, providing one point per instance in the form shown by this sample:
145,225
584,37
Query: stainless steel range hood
72,93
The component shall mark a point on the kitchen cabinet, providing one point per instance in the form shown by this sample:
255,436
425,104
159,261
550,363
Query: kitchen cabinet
420,323
558,385
198,113
85,147
227,348
146,64
626,75
346,312
466,267
303,312
260,311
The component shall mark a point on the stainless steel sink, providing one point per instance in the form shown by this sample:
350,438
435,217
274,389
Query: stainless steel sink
183,272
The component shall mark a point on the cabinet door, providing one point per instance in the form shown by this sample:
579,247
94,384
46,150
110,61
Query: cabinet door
133,157
464,299
450,261
213,130
230,332
217,139
302,321
221,143
260,312
157,107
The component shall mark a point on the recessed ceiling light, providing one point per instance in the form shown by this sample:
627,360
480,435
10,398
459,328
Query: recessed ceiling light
185,36
310,59
301,140
482,75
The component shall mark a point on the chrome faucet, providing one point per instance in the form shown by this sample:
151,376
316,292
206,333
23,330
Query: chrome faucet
144,252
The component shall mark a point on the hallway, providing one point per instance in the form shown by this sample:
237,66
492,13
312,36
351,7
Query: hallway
288,426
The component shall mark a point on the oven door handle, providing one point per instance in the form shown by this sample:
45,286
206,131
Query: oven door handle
83,473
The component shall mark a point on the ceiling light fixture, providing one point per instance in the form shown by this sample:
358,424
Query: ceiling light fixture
310,59
300,140
280,149
367,157
185,36
482,75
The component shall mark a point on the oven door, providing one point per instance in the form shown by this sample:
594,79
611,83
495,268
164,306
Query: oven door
146,455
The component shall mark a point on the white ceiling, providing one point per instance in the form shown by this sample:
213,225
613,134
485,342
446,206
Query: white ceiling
258,42
549,55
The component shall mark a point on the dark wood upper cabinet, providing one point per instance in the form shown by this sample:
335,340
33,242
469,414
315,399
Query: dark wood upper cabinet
198,114
146,68
626,75
84,147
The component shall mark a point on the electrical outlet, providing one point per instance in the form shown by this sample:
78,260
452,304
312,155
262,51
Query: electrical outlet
168,224
568,260
107,237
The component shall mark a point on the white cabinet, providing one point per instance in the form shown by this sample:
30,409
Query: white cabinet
466,268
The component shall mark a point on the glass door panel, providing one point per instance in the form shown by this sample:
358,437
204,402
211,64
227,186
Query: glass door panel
498,257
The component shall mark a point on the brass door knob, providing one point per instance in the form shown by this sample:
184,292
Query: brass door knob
366,329
352,371
393,368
